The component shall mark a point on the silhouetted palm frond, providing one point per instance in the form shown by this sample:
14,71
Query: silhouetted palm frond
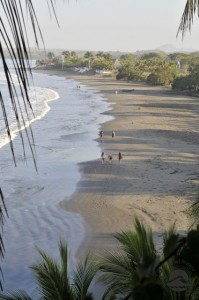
117,273
193,290
137,244
83,276
14,41
191,9
170,240
52,278
15,296
3,211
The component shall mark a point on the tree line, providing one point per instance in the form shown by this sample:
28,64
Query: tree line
70,59
179,70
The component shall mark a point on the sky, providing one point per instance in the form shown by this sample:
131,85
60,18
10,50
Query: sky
114,25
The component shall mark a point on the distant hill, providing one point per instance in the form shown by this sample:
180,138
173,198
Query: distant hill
168,48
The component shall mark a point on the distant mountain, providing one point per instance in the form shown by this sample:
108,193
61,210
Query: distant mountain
168,48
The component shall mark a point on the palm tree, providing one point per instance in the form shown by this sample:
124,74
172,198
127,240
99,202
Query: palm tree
53,278
137,271
88,54
100,54
50,55
66,54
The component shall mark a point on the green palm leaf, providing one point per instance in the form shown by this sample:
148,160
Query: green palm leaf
170,240
137,244
123,270
193,291
15,296
117,274
51,277
83,276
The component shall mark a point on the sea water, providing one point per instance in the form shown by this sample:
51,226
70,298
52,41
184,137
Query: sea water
65,125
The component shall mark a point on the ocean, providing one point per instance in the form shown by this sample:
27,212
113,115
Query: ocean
65,125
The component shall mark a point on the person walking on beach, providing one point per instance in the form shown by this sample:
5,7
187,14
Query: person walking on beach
101,134
110,157
119,156
113,134
103,157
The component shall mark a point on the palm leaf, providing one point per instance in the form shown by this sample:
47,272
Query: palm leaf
194,210
193,291
15,296
51,277
191,8
135,262
117,274
14,39
3,211
83,276
137,244
170,240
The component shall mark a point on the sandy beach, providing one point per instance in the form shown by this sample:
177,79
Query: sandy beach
157,134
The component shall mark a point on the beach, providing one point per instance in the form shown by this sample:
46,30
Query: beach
157,134
76,197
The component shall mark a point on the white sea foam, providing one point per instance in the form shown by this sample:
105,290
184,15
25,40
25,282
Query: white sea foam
39,98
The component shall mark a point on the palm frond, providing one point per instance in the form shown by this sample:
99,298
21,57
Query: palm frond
191,9
3,211
14,39
137,244
114,291
19,295
164,275
194,210
193,291
64,260
136,262
170,240
117,274
83,277
51,277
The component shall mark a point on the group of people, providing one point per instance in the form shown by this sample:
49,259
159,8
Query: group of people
109,157
101,133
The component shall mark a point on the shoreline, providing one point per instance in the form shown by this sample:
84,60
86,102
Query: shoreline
156,131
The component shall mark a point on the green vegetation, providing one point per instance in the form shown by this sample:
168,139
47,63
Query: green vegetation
100,61
178,70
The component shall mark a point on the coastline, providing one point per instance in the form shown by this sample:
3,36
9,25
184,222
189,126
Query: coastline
156,131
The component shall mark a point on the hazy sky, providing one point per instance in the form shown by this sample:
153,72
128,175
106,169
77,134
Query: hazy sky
124,25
